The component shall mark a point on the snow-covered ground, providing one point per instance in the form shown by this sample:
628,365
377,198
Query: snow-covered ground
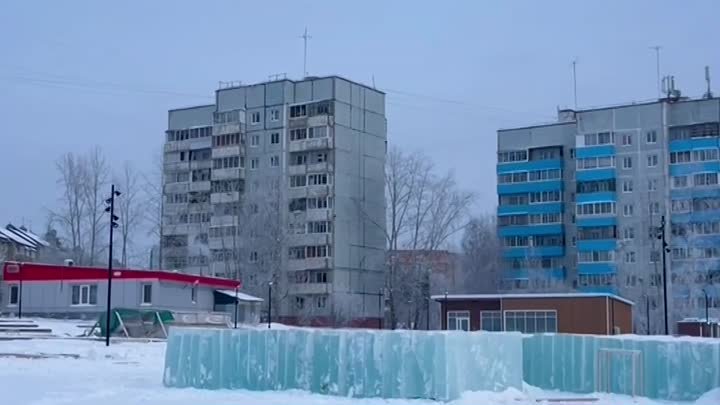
80,372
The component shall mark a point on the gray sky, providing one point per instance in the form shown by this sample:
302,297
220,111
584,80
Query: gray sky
75,74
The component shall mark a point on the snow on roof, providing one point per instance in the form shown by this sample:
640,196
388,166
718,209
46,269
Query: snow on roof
16,238
28,235
529,295
699,320
240,296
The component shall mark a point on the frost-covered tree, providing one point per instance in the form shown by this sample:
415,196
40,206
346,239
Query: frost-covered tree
129,207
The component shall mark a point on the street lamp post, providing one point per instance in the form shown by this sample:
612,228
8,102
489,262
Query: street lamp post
707,311
444,314
236,306
665,249
270,284
113,224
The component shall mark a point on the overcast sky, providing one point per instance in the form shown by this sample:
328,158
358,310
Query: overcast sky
78,74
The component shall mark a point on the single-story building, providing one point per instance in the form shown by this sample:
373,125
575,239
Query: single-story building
587,313
34,289
699,327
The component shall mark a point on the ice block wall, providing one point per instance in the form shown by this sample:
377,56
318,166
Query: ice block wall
675,369
356,363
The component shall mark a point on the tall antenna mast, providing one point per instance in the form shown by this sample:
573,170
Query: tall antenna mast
305,38
708,94
574,64
657,68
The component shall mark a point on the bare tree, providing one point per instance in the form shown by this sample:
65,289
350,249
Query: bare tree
73,210
97,173
481,255
129,207
152,200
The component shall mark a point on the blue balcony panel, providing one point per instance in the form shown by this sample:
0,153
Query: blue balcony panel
525,230
605,289
694,192
596,197
595,174
529,187
519,252
691,144
529,166
544,208
701,216
698,241
690,168
515,274
596,268
595,151
599,244
596,221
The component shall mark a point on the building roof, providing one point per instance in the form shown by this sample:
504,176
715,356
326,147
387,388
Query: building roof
240,296
700,320
463,297
35,272
30,237
12,236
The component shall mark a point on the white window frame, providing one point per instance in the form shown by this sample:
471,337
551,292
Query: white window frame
493,315
525,311
459,316
275,161
630,212
653,160
627,186
82,287
254,141
12,287
254,164
255,118
274,135
143,297
651,136
627,159
274,114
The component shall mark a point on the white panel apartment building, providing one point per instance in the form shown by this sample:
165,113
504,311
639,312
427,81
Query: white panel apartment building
282,182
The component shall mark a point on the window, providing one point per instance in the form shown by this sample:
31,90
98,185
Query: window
651,137
680,206
274,114
628,210
595,162
602,138
627,162
680,157
705,179
540,197
491,321
629,233
254,163
14,295
598,208
317,132
595,256
298,181
255,118
275,138
679,181
654,256
299,302
627,139
146,294
458,320
652,185
255,140
298,111
84,295
321,301
654,207
318,179
512,156
704,155
298,134
629,257
518,177
531,321
627,186
253,256
550,174
652,160
274,161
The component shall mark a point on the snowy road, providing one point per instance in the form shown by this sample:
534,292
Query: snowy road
79,372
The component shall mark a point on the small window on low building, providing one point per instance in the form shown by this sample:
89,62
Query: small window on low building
146,294
458,320
14,295
491,321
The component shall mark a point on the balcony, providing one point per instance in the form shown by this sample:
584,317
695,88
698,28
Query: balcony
294,170
310,288
200,186
323,167
222,129
232,196
311,144
310,239
176,187
318,190
319,215
319,120
228,174
549,251
225,151
222,220
175,166
311,263
224,242
201,164
297,192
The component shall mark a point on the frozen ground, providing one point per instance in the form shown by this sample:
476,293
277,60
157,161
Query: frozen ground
80,372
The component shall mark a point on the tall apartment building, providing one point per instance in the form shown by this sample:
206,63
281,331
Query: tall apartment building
281,185
581,202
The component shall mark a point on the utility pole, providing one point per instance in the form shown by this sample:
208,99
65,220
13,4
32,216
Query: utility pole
657,68
574,65
270,284
305,38
113,224
661,236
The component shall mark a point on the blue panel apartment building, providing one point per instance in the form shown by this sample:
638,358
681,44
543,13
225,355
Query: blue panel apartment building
581,200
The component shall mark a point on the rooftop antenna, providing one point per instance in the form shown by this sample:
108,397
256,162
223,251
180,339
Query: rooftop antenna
708,93
574,71
373,81
305,38
657,69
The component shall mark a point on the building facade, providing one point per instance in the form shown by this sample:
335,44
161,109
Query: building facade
582,203
36,289
586,313
281,185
